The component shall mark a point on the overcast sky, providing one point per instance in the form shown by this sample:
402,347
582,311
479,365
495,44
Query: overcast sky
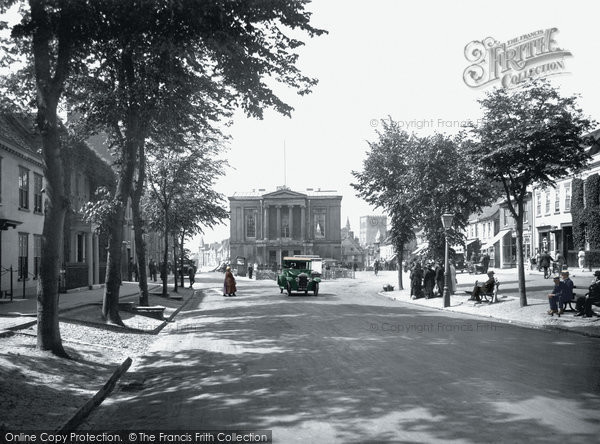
403,59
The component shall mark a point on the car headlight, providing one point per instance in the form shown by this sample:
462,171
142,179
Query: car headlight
297,280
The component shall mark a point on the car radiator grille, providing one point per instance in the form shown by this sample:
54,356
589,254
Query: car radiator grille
302,282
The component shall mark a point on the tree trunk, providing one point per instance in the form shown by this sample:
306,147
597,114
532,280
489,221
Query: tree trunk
110,302
182,258
138,226
140,249
175,263
110,305
165,268
49,90
48,337
399,255
520,263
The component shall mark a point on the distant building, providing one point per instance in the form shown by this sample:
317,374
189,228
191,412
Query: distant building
370,228
352,253
265,227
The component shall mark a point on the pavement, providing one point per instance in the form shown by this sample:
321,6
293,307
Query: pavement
508,308
22,312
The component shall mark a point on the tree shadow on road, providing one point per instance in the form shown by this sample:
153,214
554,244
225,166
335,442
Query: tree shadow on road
324,370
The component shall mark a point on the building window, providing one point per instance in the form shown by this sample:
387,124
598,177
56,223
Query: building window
23,257
38,185
285,225
567,197
80,247
557,200
250,225
319,223
538,204
525,213
547,202
37,254
23,188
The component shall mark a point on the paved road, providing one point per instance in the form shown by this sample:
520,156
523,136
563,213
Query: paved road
352,366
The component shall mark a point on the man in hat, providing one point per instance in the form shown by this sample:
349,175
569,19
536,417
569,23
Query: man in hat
555,296
584,303
567,294
487,287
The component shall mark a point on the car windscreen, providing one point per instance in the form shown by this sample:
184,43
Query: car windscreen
296,265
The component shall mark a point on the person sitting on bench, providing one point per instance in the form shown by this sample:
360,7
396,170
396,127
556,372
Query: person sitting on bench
487,287
584,303
567,294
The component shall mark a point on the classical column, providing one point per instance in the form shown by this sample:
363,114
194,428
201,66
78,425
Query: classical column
278,221
96,243
290,220
89,258
266,223
303,236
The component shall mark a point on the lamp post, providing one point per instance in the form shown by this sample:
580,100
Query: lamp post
446,223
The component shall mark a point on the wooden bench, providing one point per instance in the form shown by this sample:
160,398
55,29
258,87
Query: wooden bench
572,301
156,312
490,296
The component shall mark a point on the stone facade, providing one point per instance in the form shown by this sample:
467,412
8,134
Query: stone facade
265,227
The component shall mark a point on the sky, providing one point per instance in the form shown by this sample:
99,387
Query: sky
398,59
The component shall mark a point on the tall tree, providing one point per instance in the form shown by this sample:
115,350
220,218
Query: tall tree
50,42
416,180
178,67
526,136
181,196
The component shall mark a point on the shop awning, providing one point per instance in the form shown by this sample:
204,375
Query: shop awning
470,241
491,242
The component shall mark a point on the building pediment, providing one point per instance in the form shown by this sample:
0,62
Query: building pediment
284,194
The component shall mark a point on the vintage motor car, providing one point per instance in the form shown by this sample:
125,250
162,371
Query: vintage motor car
300,274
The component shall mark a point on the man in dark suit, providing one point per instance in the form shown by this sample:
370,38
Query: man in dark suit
486,287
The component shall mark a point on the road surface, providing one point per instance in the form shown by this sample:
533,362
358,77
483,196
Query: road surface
353,366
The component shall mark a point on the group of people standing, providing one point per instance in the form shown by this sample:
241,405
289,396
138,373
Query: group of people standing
427,280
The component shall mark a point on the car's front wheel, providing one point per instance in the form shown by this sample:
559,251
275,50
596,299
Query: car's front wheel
289,289
316,290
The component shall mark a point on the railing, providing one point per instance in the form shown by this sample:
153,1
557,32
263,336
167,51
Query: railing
6,293
338,273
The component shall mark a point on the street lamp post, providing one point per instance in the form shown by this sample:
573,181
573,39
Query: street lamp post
446,223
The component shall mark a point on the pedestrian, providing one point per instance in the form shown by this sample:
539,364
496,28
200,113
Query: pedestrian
567,294
555,296
485,262
561,261
428,281
545,260
581,259
130,267
416,277
486,287
583,306
250,270
453,280
192,274
538,258
376,267
229,287
152,268
439,278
